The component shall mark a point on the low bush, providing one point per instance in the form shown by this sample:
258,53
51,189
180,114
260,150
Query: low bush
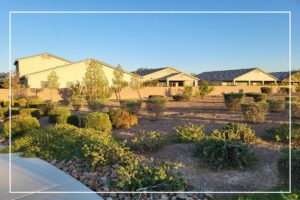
295,165
204,89
73,120
120,118
236,131
281,133
98,121
266,90
152,177
276,105
33,112
189,132
155,96
180,97
148,141
96,104
156,106
292,99
66,142
59,115
2,103
2,112
19,126
131,106
233,101
22,102
284,90
77,103
225,154
254,112
134,120
295,110
187,91
259,97
14,111
250,94
64,102
35,103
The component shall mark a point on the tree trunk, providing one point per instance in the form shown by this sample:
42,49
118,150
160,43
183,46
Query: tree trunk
139,94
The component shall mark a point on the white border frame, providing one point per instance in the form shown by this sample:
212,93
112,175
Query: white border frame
151,12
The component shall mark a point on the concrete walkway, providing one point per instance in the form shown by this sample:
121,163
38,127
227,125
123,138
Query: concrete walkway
33,174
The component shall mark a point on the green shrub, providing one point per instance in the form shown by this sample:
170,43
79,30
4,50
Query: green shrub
2,103
284,90
64,102
225,154
204,89
236,131
281,133
156,106
266,90
133,119
120,118
152,177
254,112
2,112
19,126
189,132
276,105
66,142
148,141
98,121
14,111
293,99
22,102
131,106
180,97
187,91
59,115
260,97
233,101
33,112
77,103
73,120
96,104
250,94
295,110
35,103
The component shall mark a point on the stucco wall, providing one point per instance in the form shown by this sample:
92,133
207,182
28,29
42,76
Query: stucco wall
128,93
38,63
255,75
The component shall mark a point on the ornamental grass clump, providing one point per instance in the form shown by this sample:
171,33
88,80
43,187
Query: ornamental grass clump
233,101
254,112
156,106
58,115
19,126
276,105
266,90
148,141
98,121
152,177
281,133
236,131
189,132
33,112
120,118
225,154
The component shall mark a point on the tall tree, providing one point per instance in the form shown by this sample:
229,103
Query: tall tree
118,81
52,82
136,84
15,83
95,82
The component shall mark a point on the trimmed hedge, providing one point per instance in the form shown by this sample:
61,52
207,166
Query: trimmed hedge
189,132
120,118
156,106
259,97
236,131
266,90
98,121
131,106
148,141
73,120
225,154
59,115
254,112
233,101
276,105
19,126
34,112
96,104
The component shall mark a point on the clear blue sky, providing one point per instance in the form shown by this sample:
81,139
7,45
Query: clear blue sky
189,42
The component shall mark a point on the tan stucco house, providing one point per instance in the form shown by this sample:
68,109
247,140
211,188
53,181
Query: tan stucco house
242,77
284,77
166,76
34,70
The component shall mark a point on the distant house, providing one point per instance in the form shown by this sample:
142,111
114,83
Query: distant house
284,77
250,76
166,76
34,70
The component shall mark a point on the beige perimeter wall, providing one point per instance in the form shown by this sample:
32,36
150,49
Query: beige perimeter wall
128,93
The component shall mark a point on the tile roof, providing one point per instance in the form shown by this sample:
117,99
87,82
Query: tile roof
226,75
145,72
280,75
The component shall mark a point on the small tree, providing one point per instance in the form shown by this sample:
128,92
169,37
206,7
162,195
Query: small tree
136,84
95,82
76,89
118,81
15,83
52,82
205,89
